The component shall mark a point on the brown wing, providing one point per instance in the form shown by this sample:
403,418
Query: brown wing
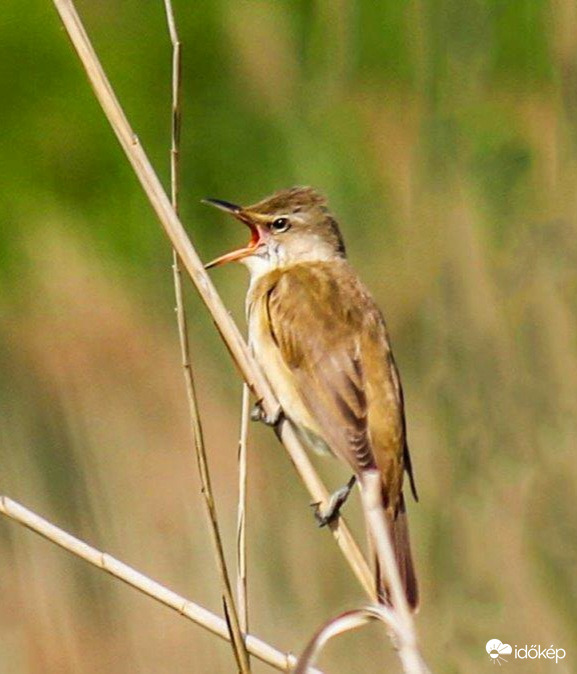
317,319
408,464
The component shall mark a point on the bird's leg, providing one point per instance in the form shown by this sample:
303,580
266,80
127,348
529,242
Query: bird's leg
258,414
336,502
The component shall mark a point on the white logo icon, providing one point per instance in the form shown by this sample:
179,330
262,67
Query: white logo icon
496,649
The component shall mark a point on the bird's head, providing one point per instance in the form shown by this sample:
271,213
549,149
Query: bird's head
287,228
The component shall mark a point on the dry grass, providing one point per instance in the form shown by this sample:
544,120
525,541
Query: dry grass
108,564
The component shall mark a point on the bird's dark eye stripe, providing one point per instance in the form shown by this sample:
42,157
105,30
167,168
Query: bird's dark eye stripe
281,224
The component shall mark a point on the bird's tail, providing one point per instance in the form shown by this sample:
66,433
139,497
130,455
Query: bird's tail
399,532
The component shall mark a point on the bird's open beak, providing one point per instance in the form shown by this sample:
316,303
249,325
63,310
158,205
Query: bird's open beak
240,214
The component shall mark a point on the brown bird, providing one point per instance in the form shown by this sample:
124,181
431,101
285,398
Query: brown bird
323,345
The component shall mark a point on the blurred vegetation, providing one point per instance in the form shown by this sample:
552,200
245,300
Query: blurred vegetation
445,134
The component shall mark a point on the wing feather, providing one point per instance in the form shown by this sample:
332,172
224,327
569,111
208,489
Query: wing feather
321,347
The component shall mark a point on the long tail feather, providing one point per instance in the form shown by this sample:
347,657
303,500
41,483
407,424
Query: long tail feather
399,531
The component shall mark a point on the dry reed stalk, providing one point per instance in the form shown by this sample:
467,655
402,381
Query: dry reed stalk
189,258
345,622
237,639
284,662
241,584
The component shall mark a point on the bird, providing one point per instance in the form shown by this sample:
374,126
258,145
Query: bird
322,343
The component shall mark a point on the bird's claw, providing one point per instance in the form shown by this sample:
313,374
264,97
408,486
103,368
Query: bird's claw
258,414
336,501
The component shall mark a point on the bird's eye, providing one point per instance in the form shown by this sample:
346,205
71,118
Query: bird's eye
280,224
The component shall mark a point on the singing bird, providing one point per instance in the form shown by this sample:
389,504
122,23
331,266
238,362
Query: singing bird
323,345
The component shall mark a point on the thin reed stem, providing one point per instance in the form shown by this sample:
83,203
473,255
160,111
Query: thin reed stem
190,260
237,639
345,622
284,662
241,582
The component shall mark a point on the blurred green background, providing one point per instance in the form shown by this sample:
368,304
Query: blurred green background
445,136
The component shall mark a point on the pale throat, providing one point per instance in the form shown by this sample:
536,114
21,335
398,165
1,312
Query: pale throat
276,256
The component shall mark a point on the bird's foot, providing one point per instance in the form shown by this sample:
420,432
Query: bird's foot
258,414
336,502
